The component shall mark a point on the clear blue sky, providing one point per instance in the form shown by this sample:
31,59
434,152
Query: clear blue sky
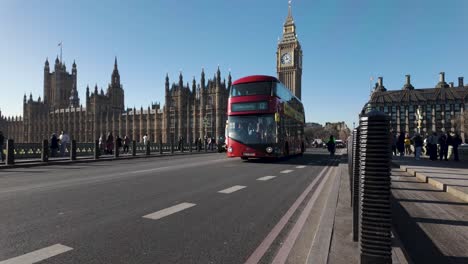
344,43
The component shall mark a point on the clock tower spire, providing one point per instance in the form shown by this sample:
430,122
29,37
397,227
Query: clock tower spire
289,56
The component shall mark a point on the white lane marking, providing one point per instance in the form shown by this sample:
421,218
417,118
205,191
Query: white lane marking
286,171
232,189
300,167
266,178
38,255
168,211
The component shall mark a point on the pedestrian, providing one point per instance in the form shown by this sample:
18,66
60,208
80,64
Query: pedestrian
394,143
432,146
331,146
179,143
401,144
126,143
456,141
443,147
408,145
64,140
54,146
418,143
145,139
2,141
102,145
110,143
118,141
199,144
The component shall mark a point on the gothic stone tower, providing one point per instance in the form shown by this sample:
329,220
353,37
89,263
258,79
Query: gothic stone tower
289,57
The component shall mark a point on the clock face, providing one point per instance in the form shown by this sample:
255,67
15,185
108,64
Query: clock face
286,58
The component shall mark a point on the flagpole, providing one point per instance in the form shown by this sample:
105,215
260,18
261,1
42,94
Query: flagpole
61,51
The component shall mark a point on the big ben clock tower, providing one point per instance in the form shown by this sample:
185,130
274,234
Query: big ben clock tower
289,57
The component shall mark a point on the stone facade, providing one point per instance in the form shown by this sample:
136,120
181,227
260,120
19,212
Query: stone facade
442,108
190,111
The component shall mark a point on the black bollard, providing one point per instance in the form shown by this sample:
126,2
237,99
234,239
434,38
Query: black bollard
133,148
73,150
190,147
160,147
376,219
45,151
10,152
116,149
97,151
181,146
355,183
172,146
148,150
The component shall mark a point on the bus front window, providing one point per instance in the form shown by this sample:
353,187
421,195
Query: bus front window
252,129
245,89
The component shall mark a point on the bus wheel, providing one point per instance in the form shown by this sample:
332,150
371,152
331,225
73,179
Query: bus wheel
244,158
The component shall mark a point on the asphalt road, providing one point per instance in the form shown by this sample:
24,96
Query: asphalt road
157,210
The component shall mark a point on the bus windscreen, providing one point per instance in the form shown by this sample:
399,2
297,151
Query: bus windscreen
252,129
256,88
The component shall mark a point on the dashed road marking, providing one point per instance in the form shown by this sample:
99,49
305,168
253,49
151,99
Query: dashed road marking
300,167
232,189
38,255
266,178
168,211
286,171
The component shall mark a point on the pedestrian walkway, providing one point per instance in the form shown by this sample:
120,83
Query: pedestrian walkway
447,176
432,224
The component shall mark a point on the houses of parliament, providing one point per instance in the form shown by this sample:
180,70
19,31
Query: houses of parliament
191,110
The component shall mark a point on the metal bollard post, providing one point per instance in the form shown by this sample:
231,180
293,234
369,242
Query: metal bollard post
375,211
73,150
355,182
190,146
116,149
97,151
172,146
10,152
133,148
160,147
45,151
147,148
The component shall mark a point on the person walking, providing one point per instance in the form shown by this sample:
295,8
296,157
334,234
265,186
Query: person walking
64,140
456,141
394,143
418,143
126,143
2,141
145,139
443,147
110,143
401,144
54,145
331,146
432,146
408,145
199,143
118,141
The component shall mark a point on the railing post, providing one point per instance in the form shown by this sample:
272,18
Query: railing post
73,150
172,146
190,146
116,149
148,149
355,182
10,152
160,147
96,150
133,148
376,219
45,151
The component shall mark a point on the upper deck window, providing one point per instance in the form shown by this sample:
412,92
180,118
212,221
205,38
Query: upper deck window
256,88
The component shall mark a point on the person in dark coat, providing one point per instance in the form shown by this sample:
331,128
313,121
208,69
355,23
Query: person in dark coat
2,141
456,141
54,146
443,147
331,145
401,143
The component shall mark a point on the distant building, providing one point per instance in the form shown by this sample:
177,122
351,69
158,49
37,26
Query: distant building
437,109
338,126
312,125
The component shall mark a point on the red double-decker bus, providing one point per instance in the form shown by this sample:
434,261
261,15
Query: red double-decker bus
264,119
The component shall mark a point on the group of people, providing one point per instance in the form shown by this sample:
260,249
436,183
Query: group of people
435,146
59,143
106,144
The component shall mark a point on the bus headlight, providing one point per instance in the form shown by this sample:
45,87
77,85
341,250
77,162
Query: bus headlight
269,150
230,149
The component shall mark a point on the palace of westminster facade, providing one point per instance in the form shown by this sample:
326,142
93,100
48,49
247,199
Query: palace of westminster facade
190,111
